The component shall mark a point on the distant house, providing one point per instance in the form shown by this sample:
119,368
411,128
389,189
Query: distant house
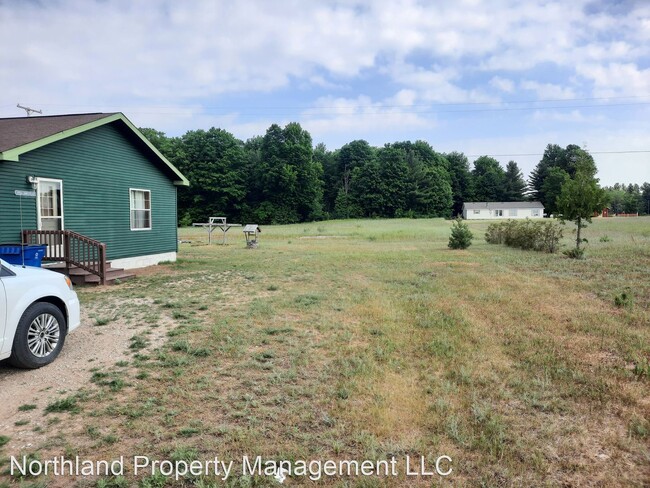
95,176
502,210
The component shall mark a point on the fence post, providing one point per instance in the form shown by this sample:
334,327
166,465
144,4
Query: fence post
66,250
102,263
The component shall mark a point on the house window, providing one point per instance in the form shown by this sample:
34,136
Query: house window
477,212
498,213
512,212
534,212
140,209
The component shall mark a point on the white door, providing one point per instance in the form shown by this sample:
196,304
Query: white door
49,211
50,204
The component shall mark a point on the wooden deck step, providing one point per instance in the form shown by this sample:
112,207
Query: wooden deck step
80,276
111,277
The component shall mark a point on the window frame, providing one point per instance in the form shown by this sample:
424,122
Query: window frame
498,212
512,212
131,209
534,212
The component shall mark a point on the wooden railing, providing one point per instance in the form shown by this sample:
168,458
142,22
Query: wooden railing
72,248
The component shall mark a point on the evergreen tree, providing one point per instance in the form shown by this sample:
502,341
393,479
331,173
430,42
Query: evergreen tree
461,237
462,187
393,174
366,189
327,160
556,157
428,181
515,186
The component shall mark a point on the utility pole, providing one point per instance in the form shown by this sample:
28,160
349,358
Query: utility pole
29,111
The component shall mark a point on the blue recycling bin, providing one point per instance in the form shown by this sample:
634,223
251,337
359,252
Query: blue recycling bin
13,253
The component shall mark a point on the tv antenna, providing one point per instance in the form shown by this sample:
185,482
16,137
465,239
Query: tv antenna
29,111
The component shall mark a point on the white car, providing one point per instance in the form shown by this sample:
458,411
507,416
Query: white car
38,308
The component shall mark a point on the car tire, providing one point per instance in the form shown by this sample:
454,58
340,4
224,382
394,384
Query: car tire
39,337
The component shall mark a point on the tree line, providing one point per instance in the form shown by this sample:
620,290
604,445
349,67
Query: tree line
281,177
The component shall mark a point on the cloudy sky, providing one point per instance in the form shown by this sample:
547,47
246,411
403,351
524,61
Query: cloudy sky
497,77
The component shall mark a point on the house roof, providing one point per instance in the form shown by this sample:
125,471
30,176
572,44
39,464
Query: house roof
499,205
20,135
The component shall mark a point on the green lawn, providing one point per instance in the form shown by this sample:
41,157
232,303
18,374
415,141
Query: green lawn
354,340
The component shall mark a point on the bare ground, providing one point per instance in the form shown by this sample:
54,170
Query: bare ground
70,371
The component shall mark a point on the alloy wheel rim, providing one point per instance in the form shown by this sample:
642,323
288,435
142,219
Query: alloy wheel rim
43,335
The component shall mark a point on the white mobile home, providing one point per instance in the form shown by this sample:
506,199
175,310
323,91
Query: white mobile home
503,210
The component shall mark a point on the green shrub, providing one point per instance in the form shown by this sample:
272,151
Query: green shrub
526,234
624,300
461,237
575,253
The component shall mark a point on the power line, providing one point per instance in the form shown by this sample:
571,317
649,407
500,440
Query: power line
432,104
380,109
541,154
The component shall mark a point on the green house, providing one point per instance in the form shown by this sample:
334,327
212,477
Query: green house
69,179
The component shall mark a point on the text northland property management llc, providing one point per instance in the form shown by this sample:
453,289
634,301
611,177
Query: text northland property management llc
249,466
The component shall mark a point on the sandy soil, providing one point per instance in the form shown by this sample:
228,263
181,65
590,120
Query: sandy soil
88,347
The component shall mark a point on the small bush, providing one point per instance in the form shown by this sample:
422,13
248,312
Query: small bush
605,238
642,368
526,234
575,253
461,237
68,404
623,300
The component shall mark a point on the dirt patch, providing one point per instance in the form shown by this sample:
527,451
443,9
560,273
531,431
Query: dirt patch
88,347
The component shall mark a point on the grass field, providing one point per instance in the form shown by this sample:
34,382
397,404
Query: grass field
355,340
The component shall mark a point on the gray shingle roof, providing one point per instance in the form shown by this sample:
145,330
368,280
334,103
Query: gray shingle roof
18,131
503,205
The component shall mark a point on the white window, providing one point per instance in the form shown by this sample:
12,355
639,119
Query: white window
477,212
534,212
498,213
512,212
140,209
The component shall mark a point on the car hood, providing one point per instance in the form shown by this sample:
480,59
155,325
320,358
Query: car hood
28,270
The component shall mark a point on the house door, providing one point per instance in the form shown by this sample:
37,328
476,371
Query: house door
49,210
50,204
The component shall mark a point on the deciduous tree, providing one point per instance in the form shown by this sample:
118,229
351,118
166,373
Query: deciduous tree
579,199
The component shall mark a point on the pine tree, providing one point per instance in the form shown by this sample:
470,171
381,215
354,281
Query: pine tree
461,237
515,186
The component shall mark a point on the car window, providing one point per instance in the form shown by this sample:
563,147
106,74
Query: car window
4,271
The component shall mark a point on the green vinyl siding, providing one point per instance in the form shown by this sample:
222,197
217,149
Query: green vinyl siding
98,167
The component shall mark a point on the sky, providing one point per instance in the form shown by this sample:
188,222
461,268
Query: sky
500,77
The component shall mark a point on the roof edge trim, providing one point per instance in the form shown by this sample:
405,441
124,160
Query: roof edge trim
15,153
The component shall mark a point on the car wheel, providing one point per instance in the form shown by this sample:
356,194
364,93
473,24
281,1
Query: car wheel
39,337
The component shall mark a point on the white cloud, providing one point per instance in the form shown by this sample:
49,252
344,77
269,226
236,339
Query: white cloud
380,64
548,91
617,79
201,48
360,117
502,84
574,116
